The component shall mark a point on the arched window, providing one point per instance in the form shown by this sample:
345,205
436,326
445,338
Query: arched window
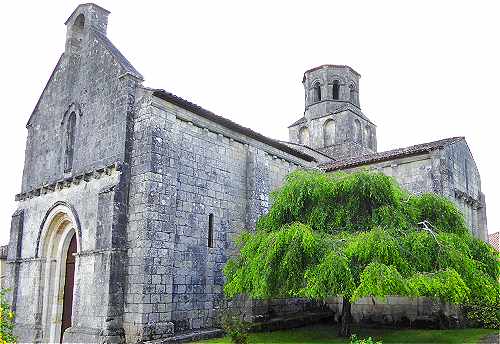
336,90
368,137
352,94
357,130
329,133
79,23
70,141
317,92
304,136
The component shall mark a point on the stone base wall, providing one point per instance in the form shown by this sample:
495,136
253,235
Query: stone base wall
404,311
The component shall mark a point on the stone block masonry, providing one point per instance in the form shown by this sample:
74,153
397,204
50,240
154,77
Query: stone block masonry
154,190
184,172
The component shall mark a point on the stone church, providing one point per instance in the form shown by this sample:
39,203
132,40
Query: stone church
131,196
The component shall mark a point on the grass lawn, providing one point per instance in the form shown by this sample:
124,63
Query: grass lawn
323,333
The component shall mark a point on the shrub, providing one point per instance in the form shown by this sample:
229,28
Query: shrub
369,340
234,327
487,316
6,320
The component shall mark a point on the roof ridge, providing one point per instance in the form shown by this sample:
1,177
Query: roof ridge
45,88
301,145
390,154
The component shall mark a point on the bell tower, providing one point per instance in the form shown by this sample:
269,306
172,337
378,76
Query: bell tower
84,18
333,122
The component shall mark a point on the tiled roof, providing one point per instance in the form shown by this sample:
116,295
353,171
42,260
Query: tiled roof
494,240
330,65
297,122
389,155
118,55
303,148
194,108
348,106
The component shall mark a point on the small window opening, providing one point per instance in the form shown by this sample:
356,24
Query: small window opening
357,130
79,23
336,90
304,136
352,94
70,142
329,133
466,172
317,92
369,137
211,230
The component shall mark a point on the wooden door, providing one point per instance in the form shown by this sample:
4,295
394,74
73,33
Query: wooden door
69,282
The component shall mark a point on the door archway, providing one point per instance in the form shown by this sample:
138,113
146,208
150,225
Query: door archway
59,244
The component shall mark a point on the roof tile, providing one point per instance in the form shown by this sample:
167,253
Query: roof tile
389,155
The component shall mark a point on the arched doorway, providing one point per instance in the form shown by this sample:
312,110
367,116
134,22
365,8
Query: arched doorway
59,242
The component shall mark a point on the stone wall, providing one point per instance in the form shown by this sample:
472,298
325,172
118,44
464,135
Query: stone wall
93,80
3,265
414,173
186,169
462,184
399,311
93,201
91,83
345,143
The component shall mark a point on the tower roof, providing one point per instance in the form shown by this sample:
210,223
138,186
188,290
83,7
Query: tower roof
330,66
89,4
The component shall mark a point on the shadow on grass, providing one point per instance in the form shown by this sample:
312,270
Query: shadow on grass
326,333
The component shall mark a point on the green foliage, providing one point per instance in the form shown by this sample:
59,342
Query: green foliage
330,277
6,320
442,285
360,234
377,245
333,202
441,212
380,280
369,340
273,264
233,325
487,316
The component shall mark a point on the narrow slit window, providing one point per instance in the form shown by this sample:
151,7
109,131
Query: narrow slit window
336,90
211,230
317,92
70,142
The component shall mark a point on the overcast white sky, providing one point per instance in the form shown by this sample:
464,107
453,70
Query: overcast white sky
430,69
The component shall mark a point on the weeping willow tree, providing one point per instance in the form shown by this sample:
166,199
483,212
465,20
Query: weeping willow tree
358,235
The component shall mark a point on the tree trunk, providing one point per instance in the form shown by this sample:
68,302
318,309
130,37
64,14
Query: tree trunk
346,319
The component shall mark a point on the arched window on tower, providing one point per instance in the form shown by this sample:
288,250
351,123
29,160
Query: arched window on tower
329,133
357,130
79,23
70,141
336,90
304,136
76,33
352,94
317,92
